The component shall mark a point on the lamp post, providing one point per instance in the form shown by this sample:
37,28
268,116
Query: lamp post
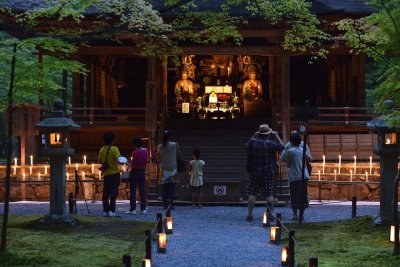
388,150
57,129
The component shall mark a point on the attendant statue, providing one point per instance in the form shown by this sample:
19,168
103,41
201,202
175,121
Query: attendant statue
184,89
252,88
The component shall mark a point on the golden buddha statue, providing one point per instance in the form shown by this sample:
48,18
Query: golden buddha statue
184,89
252,88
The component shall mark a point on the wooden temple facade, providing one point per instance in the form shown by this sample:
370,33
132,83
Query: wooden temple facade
133,95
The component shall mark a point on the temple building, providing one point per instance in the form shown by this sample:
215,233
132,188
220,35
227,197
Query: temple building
219,94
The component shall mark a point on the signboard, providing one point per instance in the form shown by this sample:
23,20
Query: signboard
185,107
220,190
151,106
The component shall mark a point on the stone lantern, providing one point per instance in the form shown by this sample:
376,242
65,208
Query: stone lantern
56,130
388,150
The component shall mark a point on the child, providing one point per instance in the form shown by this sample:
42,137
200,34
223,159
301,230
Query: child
196,177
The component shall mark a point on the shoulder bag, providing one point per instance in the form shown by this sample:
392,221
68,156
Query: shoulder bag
104,165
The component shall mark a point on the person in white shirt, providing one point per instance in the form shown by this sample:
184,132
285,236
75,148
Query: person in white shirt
196,178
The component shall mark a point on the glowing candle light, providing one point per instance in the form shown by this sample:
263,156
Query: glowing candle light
30,170
69,160
76,166
265,219
67,176
168,225
83,175
84,159
335,175
23,176
31,160
351,175
15,161
323,163
39,176
274,235
284,256
162,243
99,175
93,168
340,162
370,165
366,176
355,164
146,263
15,170
45,169
319,175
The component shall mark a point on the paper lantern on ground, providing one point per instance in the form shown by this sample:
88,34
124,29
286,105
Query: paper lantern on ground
168,225
284,256
275,235
392,233
162,243
266,218
146,263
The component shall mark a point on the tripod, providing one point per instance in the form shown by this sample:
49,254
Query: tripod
78,184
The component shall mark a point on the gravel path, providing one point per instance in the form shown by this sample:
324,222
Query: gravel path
216,235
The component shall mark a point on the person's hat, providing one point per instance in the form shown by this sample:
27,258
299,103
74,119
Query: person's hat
264,129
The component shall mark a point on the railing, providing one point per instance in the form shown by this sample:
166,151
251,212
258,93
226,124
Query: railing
108,115
339,115
326,115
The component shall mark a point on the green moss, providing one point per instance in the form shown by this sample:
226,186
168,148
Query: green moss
91,241
351,243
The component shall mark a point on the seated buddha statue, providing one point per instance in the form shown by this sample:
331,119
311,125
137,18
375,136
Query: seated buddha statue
184,89
252,88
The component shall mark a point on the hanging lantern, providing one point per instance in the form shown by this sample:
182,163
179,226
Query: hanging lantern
266,219
162,243
391,239
168,225
146,263
275,235
284,256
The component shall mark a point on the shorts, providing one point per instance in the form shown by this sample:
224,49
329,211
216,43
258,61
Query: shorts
263,182
196,189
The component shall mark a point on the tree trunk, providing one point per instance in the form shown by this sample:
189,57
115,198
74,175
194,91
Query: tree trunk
3,246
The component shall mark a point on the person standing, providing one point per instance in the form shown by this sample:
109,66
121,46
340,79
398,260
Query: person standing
289,145
262,165
298,188
110,154
196,178
167,154
137,178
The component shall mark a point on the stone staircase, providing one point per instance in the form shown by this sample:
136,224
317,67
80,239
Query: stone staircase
222,146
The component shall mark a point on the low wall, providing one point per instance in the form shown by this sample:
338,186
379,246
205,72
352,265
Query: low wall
344,191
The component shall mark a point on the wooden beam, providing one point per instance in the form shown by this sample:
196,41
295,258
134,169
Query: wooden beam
233,50
108,50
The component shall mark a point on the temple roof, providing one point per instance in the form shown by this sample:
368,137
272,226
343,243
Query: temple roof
318,6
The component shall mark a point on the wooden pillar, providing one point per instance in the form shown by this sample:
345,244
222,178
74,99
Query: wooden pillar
164,94
152,89
285,87
65,87
359,80
76,90
279,84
